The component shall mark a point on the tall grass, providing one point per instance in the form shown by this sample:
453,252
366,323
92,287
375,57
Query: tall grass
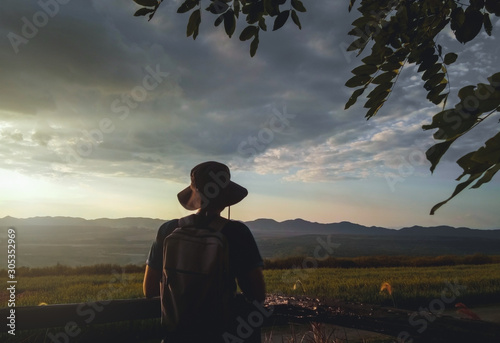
410,286
61,289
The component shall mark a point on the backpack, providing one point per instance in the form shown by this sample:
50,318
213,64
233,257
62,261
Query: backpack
196,288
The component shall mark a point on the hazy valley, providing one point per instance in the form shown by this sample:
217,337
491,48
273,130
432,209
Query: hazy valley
43,241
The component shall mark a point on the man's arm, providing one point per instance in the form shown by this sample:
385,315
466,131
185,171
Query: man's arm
151,283
253,285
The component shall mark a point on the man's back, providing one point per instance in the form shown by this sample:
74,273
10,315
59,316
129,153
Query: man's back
211,190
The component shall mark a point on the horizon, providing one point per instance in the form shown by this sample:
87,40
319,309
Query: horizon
256,219
106,113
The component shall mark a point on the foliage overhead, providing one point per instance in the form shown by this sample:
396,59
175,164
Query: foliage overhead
228,12
399,33
402,33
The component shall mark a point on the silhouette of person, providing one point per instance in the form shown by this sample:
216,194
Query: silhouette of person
210,192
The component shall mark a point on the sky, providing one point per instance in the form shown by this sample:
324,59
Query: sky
103,115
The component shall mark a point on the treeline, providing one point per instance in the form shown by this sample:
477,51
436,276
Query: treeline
281,263
379,261
97,269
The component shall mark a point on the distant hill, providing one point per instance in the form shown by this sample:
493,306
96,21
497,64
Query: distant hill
45,241
272,228
72,221
448,231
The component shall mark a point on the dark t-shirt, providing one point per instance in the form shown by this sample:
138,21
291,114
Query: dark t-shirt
244,254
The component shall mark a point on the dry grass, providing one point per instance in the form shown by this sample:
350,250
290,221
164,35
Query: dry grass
319,333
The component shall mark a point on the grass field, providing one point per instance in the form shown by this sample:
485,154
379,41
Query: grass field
405,287
410,287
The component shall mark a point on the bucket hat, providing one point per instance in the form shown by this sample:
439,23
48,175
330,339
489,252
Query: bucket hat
211,187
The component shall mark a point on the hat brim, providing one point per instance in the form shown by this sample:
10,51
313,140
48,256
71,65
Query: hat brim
230,194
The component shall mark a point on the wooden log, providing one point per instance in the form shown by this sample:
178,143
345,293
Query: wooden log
407,325
83,314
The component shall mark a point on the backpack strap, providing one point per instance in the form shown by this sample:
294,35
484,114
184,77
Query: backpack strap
215,224
218,223
187,221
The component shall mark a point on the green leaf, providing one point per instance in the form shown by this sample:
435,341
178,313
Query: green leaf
147,3
229,22
490,153
391,66
187,6
298,5
385,77
357,81
254,45
435,95
477,4
351,4
488,97
457,18
450,58
495,80
382,88
217,7
354,97
373,111
374,59
466,92
358,44
456,127
364,69
428,62
488,26
474,169
472,25
271,7
262,24
236,7
143,11
219,20
470,166
493,6
488,175
281,20
435,152
296,20
194,24
434,81
377,97
431,71
451,123
248,32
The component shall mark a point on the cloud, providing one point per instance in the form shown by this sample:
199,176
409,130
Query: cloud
81,99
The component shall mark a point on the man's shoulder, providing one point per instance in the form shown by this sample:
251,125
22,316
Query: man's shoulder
236,224
170,223
167,227
235,227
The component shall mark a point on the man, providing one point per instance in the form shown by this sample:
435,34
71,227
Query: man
210,191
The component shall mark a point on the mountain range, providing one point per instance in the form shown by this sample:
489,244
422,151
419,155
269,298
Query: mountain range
42,241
